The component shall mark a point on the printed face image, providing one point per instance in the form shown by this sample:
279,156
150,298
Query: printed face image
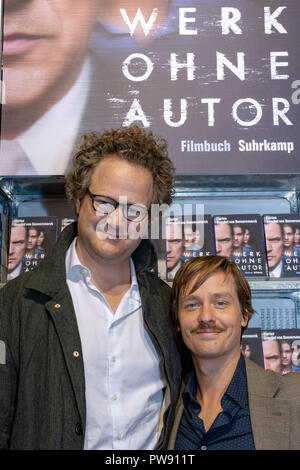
238,236
102,237
246,238
274,242
297,236
271,353
32,239
44,45
288,238
191,238
224,240
210,318
174,245
286,354
246,351
40,239
17,247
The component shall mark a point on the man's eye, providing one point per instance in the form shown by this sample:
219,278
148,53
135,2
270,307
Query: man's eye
104,207
220,303
190,305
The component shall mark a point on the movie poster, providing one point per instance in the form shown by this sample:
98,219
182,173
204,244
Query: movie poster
282,233
31,240
281,349
183,238
220,81
251,346
241,239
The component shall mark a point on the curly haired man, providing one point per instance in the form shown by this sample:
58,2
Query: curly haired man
91,361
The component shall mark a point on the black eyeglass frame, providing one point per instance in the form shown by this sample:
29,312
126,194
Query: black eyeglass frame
116,204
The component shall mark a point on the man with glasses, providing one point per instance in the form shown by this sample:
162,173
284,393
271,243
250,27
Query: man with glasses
91,360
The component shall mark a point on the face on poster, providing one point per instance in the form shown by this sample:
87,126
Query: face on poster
221,82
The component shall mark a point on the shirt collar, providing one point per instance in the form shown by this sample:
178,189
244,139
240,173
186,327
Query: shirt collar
76,271
237,389
190,391
277,271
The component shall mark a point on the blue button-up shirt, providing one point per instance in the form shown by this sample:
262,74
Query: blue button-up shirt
231,429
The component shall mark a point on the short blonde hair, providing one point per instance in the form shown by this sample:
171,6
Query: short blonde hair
200,269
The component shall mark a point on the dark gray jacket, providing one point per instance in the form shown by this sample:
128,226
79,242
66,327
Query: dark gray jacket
42,386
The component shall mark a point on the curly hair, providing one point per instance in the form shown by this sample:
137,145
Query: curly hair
132,144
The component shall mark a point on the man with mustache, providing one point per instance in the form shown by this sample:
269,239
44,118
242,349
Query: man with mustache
90,349
227,402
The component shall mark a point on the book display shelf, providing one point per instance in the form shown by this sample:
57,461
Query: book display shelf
224,198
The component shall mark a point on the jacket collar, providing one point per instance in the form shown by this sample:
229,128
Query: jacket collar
269,412
261,383
53,265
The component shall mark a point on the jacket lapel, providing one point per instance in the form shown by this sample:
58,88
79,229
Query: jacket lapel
269,415
62,312
58,303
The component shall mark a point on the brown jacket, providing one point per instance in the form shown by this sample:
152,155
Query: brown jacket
274,402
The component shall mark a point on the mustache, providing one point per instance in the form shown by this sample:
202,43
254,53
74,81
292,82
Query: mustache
206,327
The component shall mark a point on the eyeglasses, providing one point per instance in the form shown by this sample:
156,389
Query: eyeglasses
104,205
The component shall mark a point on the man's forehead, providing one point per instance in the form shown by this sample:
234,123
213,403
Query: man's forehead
271,344
221,283
273,229
18,230
173,230
223,229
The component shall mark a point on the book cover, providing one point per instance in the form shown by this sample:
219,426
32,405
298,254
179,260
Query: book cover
281,349
251,345
4,246
282,234
186,237
31,239
241,239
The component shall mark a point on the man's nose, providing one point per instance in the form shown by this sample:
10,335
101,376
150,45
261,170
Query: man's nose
207,314
117,222
115,218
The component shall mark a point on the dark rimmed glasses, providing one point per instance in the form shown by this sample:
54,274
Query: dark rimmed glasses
104,205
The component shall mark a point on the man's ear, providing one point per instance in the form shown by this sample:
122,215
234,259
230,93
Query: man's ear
245,319
77,205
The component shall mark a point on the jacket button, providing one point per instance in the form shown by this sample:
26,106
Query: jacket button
78,429
57,305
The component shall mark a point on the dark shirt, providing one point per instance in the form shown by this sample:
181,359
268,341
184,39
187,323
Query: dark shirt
231,429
